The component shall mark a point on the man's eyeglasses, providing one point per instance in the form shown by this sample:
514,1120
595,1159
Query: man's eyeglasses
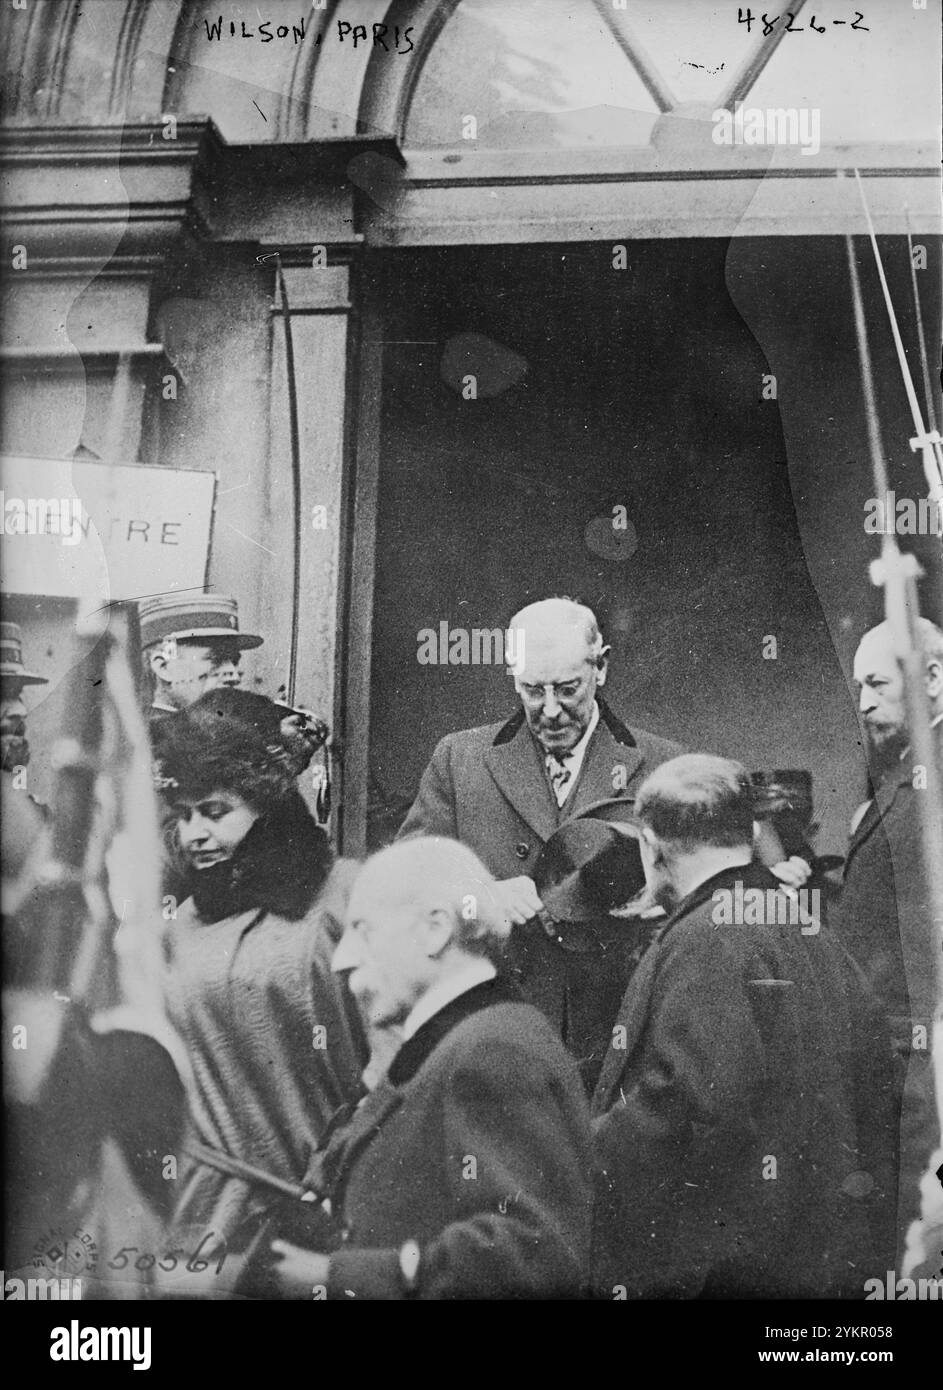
560,690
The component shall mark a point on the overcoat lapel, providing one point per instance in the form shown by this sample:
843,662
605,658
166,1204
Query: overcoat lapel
364,1126
518,769
376,1108
517,766
878,809
604,755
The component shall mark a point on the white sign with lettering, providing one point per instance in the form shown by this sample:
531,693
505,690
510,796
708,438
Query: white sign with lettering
74,529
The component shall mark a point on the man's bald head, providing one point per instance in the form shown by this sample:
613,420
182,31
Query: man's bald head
878,644
563,663
882,699
430,873
417,912
550,618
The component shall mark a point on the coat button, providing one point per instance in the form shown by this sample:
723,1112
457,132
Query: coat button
522,850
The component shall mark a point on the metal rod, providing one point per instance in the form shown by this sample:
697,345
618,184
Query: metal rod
655,85
932,450
748,76
878,465
921,339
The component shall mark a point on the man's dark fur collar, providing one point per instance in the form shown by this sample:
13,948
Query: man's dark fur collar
620,732
279,867
425,1040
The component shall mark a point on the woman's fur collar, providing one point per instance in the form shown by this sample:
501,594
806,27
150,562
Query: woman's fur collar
279,867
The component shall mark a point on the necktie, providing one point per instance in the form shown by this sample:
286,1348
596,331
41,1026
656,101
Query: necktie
560,776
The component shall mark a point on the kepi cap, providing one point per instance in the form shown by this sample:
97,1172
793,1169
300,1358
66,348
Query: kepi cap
192,618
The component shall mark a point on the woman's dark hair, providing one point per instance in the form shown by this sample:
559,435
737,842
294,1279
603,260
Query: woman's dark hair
227,739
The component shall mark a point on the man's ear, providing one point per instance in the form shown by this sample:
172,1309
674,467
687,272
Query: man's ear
653,851
158,663
602,665
934,678
439,931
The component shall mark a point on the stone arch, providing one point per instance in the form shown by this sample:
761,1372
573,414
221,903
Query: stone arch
72,68
63,65
335,89
38,42
147,34
285,74
388,87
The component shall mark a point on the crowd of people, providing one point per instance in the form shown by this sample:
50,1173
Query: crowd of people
537,1047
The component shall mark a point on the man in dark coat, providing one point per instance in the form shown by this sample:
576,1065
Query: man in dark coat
468,1172
884,915
741,1115
503,789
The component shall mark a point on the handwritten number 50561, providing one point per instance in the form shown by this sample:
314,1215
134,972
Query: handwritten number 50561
195,1264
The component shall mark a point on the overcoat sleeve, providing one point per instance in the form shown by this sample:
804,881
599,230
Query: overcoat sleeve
433,811
519,1171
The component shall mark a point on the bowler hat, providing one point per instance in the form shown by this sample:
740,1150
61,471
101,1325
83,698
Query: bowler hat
590,865
193,618
11,657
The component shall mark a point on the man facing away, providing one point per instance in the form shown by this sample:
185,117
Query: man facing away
742,1116
467,1172
504,788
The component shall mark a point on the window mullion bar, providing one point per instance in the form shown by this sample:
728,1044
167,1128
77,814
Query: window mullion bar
660,92
746,79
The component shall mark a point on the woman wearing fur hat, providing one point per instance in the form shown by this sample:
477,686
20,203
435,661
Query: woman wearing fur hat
275,1042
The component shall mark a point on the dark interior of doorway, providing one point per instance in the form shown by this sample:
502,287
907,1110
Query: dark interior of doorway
648,388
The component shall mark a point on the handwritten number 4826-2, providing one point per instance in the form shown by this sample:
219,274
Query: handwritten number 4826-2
749,19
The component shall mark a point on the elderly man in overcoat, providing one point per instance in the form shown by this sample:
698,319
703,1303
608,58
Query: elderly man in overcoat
504,788
467,1173
884,915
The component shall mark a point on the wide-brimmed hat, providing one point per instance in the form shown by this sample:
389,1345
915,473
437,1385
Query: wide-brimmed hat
591,864
193,618
11,657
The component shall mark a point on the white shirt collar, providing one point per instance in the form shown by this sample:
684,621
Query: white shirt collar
475,972
574,759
